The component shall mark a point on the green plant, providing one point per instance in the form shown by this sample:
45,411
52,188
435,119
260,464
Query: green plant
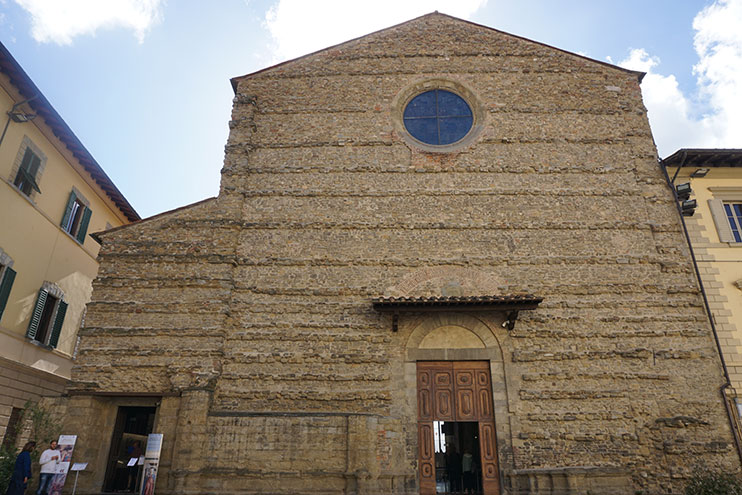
705,482
7,462
35,423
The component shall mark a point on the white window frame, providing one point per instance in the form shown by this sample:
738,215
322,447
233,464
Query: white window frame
725,226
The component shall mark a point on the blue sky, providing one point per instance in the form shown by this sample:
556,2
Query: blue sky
145,83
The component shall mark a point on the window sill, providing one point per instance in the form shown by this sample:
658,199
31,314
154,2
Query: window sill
38,343
74,238
20,193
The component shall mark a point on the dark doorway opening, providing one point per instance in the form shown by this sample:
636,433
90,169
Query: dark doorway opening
128,442
457,454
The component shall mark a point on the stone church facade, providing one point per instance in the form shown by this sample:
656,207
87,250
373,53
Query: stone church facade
358,295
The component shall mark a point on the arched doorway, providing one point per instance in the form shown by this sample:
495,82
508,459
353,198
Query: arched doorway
461,397
456,428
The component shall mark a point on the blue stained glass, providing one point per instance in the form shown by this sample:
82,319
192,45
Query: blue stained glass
451,129
438,117
423,105
421,128
450,104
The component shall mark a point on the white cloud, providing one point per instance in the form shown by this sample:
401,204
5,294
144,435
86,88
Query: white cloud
59,21
299,27
718,42
669,111
712,118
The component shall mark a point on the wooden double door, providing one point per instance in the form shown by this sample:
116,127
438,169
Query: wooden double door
456,391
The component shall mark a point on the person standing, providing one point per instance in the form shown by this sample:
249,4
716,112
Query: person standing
48,460
21,471
133,451
453,463
468,468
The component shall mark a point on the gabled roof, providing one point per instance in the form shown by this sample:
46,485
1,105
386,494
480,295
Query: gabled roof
41,106
705,157
237,79
98,235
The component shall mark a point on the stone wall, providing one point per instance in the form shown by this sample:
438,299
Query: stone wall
254,308
21,384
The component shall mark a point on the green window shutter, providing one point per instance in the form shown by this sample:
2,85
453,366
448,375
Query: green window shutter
33,166
27,159
28,169
83,229
58,321
33,325
68,210
5,285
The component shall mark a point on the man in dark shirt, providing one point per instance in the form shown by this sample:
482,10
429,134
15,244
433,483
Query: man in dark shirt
453,463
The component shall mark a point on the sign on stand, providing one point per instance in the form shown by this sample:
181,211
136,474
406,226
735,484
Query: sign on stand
151,461
66,445
77,467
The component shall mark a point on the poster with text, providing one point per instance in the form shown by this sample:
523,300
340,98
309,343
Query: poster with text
65,444
151,461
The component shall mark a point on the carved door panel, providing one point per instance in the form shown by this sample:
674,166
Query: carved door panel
443,398
484,394
466,397
426,457
424,394
488,461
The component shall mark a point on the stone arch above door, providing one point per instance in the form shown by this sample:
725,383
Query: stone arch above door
431,332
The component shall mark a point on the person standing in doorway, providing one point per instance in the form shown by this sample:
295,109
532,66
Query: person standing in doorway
467,466
21,471
134,451
48,460
453,462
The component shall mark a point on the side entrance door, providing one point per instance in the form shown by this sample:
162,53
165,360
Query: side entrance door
455,396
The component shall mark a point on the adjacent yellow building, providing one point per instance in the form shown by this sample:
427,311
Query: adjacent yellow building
53,194
715,231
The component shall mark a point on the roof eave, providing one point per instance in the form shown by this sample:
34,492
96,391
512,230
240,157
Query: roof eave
704,157
43,108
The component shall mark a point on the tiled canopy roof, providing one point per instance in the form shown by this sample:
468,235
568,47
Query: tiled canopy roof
478,303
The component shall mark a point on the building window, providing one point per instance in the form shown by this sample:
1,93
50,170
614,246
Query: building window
47,318
76,217
7,276
25,178
438,117
734,216
11,431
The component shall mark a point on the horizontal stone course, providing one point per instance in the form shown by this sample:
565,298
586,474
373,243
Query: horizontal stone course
251,314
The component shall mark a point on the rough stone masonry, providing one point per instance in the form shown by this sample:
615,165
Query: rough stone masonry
247,319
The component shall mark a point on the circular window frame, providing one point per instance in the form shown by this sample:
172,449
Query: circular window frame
408,93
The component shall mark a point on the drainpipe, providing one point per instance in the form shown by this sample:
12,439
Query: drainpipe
731,414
